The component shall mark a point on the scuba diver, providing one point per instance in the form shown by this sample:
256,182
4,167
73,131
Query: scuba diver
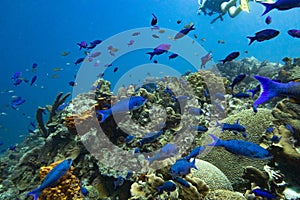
220,7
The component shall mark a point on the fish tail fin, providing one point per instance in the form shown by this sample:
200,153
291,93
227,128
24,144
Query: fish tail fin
151,55
252,39
194,164
219,124
192,27
268,6
35,193
252,92
104,114
150,160
216,141
268,90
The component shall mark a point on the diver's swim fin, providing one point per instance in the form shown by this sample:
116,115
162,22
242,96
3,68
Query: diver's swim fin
244,5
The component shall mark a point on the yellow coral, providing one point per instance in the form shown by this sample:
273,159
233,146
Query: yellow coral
67,188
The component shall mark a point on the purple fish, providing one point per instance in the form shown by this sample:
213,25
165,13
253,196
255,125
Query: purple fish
263,35
184,32
16,75
268,20
130,42
271,89
281,5
231,57
18,81
82,45
162,48
96,54
205,59
33,80
294,33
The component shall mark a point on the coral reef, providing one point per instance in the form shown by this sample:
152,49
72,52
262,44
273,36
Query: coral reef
256,124
224,194
268,179
101,154
202,182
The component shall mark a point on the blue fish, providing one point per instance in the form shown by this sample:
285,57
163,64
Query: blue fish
290,128
16,75
12,147
150,87
195,111
294,33
154,20
84,191
162,48
172,56
16,102
136,150
18,81
184,32
123,106
34,65
182,167
182,182
119,182
241,95
198,128
255,90
52,177
129,138
129,175
269,130
150,137
94,44
33,80
281,5
271,89
275,139
264,193
167,186
61,107
220,96
168,90
241,147
167,151
268,20
235,128
239,78
79,60
230,57
263,35
195,152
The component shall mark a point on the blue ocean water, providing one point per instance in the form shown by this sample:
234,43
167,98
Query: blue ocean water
37,32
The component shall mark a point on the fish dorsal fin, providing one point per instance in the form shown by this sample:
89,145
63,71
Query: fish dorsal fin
237,121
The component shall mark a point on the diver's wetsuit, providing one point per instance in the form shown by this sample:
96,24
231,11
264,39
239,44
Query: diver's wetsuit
211,7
